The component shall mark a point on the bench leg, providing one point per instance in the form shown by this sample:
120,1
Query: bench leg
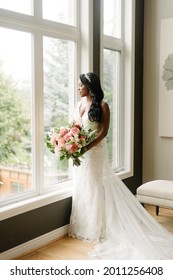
157,210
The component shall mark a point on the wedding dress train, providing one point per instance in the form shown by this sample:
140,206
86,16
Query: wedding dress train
104,211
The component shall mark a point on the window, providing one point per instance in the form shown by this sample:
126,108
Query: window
15,107
17,188
117,60
59,76
112,18
112,91
45,44
19,6
38,70
59,11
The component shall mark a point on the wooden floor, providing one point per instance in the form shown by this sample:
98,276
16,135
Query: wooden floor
72,249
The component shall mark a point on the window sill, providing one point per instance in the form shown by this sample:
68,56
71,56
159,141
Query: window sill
18,208
23,206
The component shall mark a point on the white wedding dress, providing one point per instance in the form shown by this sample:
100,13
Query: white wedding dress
105,212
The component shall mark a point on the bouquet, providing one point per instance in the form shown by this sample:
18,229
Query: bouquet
69,141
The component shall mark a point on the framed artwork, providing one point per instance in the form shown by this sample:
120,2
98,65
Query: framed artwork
166,79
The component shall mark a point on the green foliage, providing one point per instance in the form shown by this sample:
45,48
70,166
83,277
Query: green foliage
56,91
56,68
14,124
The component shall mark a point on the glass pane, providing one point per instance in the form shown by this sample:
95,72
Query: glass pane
112,18
15,112
59,11
59,71
112,95
20,6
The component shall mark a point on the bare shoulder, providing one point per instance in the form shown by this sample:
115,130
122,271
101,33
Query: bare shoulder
105,106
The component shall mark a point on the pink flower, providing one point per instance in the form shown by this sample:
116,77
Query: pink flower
68,136
54,139
61,142
77,125
75,130
67,141
72,148
63,131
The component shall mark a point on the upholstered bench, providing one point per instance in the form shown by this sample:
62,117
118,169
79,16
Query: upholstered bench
157,193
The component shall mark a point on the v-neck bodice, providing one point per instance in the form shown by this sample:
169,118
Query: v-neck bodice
83,119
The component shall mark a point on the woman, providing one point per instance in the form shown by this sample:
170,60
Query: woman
104,211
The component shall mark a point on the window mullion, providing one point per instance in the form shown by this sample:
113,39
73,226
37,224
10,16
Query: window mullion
38,122
37,7
86,28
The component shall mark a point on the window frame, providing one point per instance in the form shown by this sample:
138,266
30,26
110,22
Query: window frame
38,28
82,34
126,46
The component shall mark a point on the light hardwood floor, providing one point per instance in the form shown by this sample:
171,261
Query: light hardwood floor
72,249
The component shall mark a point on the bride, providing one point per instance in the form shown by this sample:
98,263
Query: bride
104,211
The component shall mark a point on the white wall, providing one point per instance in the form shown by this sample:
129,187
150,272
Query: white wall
157,151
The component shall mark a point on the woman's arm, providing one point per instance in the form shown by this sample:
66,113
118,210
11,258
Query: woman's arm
104,126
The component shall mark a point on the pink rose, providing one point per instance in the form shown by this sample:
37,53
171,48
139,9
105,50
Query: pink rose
68,136
75,130
61,142
72,148
63,131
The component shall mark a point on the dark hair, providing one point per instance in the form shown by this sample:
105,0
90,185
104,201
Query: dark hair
92,81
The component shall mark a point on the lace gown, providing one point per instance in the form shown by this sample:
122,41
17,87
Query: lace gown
104,211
